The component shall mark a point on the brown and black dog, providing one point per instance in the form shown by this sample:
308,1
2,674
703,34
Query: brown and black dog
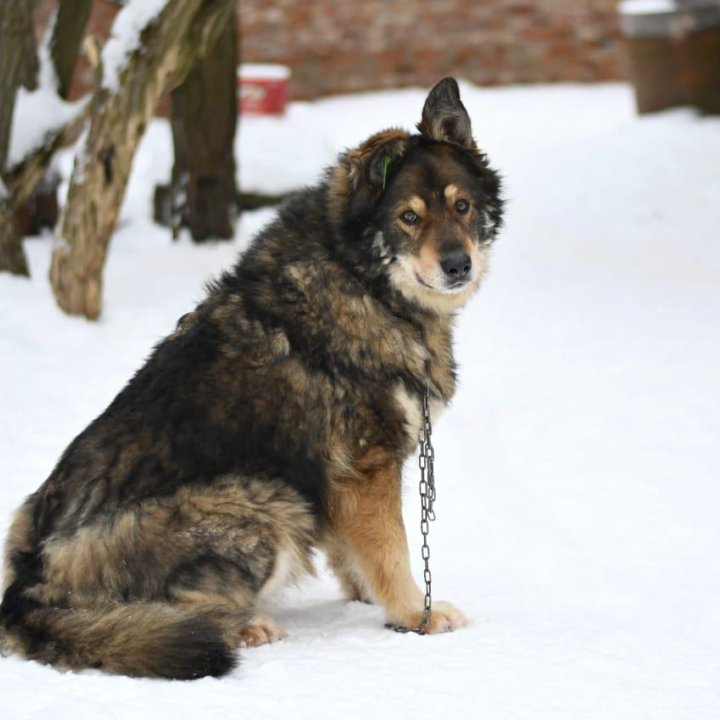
275,419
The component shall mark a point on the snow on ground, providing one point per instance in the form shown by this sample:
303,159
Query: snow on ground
578,469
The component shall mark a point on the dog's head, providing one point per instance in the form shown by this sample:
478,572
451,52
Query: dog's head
426,206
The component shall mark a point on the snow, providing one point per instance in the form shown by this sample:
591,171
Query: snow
642,7
577,469
125,32
36,117
264,71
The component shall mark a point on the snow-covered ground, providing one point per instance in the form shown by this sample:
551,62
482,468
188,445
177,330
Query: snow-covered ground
578,470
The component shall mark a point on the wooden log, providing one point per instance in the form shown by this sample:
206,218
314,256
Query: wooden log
168,47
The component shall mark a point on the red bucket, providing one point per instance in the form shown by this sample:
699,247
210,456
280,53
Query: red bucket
263,89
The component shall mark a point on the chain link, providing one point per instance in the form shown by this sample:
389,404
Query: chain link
426,461
178,203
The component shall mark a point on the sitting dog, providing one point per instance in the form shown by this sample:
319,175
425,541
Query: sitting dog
275,419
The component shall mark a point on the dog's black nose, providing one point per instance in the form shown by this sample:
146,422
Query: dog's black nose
456,265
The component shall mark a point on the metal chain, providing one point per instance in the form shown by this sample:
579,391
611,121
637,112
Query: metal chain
178,203
426,460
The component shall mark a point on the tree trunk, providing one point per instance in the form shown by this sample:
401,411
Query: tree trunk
40,209
18,61
12,255
18,66
168,47
67,36
204,119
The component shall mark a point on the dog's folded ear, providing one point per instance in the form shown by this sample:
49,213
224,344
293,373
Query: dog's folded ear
363,172
444,117
370,163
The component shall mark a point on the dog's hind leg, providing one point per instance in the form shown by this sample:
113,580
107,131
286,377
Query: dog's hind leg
166,588
226,591
257,539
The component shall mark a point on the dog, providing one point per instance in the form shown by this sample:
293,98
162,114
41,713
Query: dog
275,419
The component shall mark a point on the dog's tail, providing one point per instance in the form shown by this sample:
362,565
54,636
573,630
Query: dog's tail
140,639
136,639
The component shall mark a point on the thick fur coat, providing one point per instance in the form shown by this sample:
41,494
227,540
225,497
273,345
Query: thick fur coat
274,419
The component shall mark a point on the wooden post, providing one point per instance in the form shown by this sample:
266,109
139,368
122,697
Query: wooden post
18,61
204,120
67,36
18,66
168,47
12,255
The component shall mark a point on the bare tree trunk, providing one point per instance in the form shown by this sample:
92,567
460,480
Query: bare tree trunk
18,66
18,61
204,119
12,255
67,36
168,47
40,209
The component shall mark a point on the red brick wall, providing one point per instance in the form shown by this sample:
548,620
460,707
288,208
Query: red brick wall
338,46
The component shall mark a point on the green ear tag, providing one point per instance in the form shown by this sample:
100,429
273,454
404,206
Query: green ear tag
387,162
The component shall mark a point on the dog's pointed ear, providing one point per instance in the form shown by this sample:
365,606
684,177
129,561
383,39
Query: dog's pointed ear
444,117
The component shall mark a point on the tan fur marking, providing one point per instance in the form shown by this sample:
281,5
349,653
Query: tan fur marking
369,517
417,205
367,547
452,192
428,261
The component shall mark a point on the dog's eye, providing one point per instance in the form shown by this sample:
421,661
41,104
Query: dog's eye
462,206
410,218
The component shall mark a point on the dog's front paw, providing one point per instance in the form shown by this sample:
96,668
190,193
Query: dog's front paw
444,617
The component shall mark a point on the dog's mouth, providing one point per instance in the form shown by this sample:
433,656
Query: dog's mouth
447,287
431,286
